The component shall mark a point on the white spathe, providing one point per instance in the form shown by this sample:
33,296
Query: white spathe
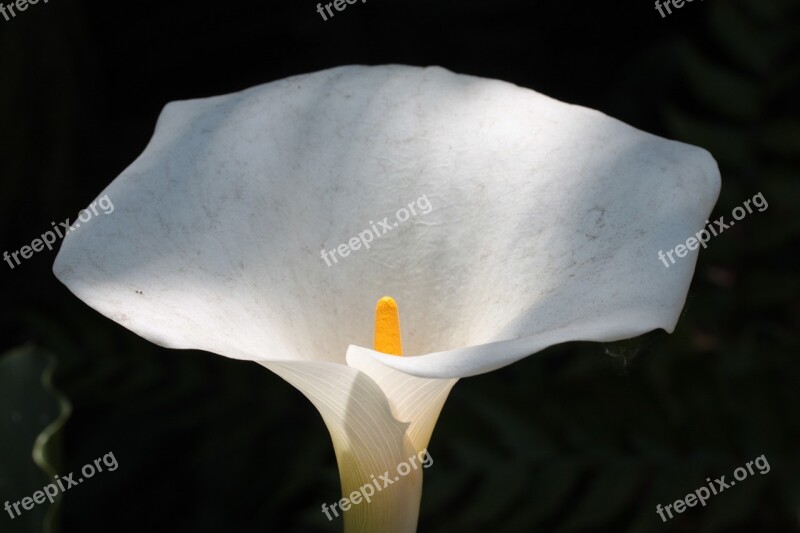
545,225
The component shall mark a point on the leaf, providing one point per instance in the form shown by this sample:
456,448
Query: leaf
32,414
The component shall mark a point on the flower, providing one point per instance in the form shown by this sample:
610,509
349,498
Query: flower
545,227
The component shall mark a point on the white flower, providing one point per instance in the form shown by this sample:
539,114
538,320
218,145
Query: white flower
546,223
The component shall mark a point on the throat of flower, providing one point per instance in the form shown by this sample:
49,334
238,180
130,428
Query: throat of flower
387,327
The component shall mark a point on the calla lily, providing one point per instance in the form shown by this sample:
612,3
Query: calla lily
546,223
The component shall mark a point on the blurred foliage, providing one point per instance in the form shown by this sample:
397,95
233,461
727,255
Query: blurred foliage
582,437
32,415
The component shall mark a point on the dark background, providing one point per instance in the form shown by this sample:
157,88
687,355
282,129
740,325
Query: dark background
581,437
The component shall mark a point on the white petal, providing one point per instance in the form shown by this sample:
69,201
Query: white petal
416,400
370,436
544,216
474,360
